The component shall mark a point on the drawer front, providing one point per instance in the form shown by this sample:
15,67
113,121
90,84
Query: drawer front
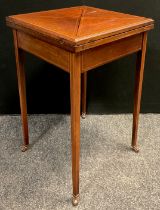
106,53
43,50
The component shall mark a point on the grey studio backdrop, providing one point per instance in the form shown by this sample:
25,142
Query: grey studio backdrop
110,87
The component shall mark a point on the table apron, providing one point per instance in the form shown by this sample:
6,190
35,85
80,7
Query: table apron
106,53
48,52
91,58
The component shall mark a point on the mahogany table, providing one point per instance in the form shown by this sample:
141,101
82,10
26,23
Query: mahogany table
78,39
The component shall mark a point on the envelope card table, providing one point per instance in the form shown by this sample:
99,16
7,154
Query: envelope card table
77,40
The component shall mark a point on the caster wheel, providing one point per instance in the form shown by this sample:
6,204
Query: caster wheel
135,149
83,115
24,148
75,200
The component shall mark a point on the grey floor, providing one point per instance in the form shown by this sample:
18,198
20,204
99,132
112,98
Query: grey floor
111,175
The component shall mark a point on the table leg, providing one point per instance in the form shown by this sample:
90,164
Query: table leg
22,90
84,94
138,91
75,85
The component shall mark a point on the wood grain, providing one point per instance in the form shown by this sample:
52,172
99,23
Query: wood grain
83,92
43,50
109,52
75,92
79,39
70,28
21,87
105,40
138,88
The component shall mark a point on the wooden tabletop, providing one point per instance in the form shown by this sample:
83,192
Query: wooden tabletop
76,26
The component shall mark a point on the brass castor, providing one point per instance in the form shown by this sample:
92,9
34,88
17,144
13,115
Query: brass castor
135,148
75,200
24,148
83,115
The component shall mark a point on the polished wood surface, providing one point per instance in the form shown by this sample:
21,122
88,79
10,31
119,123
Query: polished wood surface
84,93
138,90
100,55
75,93
72,27
22,90
43,50
110,39
91,58
79,39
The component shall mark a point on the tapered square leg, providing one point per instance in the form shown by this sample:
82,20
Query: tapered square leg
22,90
138,91
83,94
75,89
